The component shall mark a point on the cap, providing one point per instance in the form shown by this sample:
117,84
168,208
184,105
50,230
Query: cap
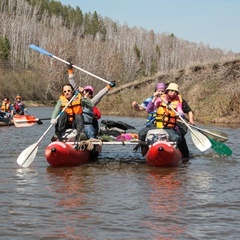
89,88
173,86
161,86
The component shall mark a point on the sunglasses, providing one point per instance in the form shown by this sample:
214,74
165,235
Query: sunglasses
69,90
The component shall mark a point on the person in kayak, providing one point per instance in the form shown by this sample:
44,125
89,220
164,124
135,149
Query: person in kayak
166,118
150,123
72,116
6,107
18,106
90,115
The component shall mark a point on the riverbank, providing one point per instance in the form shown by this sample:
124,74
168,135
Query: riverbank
212,91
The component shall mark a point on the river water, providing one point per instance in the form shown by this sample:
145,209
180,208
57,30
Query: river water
117,197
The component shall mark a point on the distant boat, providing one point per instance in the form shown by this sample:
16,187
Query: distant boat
6,121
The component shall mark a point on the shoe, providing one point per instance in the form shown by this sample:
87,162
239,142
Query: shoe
144,151
54,138
81,137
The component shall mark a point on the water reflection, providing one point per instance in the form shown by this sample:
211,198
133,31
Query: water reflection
166,202
118,197
67,185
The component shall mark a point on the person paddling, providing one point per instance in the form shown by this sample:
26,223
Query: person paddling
18,106
72,117
166,118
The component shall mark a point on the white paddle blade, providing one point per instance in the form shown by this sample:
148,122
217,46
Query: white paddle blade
200,140
27,156
24,124
24,120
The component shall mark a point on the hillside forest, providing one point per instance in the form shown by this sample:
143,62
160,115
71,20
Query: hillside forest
134,57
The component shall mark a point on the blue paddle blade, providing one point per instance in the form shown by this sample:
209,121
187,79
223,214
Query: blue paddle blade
41,50
220,147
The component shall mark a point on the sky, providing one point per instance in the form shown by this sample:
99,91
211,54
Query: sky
212,22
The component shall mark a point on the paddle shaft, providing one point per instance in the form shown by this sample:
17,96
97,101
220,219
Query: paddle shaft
210,132
41,50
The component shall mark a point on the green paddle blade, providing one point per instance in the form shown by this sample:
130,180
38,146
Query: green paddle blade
220,147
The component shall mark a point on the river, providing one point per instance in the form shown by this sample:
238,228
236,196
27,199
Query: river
119,196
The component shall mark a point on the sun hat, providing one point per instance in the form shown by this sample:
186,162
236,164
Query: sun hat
89,88
18,96
160,86
173,86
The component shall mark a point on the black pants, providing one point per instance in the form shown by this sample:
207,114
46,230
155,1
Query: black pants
183,144
63,124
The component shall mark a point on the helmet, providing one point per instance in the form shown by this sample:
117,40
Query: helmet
89,88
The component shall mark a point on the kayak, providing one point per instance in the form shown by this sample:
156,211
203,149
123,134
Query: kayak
68,154
65,154
6,121
163,154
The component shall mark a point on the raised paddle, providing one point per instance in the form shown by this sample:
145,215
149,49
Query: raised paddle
27,156
41,50
27,120
199,139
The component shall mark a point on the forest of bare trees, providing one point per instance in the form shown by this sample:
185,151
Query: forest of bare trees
92,42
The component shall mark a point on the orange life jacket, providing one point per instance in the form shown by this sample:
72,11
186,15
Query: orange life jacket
73,108
166,117
5,106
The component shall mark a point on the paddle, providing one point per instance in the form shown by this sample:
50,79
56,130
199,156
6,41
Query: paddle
27,156
200,140
217,135
27,120
41,50
220,147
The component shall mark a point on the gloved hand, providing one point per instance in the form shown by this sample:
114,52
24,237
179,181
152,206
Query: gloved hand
70,68
53,121
112,84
